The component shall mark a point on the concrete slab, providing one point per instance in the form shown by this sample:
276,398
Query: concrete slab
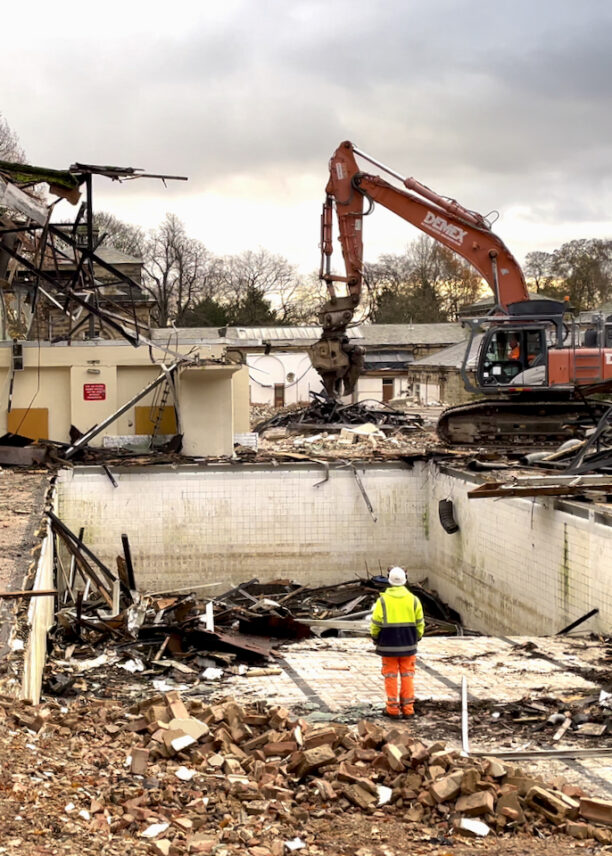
339,676
341,673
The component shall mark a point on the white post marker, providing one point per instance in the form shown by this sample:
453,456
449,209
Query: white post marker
465,742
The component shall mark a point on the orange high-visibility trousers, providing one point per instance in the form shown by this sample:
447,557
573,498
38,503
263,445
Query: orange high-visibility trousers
404,666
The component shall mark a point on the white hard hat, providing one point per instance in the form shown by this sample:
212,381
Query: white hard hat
397,577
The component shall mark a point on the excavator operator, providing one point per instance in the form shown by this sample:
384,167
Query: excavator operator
514,349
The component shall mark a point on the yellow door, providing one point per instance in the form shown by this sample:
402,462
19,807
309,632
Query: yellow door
144,424
32,423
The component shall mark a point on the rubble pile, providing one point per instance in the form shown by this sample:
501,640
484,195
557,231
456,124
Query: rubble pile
184,638
223,778
364,442
326,411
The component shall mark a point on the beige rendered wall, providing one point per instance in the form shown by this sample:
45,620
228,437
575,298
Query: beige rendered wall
240,392
130,380
206,405
48,388
87,413
54,378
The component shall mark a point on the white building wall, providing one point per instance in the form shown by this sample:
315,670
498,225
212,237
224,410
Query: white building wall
428,393
368,388
293,370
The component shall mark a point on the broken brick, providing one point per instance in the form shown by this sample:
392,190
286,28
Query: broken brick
395,755
140,759
474,805
310,760
597,810
511,802
555,807
447,788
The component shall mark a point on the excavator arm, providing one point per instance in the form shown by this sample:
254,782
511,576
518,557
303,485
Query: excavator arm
465,232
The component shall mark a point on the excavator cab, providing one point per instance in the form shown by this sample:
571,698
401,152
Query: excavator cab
510,356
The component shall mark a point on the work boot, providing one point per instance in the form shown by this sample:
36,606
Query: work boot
392,714
407,712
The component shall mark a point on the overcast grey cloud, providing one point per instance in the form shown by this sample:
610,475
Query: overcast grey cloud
503,106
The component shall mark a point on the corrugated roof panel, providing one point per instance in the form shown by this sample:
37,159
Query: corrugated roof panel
282,333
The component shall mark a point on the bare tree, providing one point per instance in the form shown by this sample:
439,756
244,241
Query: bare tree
460,283
10,146
178,272
427,283
538,269
122,236
254,276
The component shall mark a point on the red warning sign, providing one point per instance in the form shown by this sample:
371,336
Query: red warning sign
94,391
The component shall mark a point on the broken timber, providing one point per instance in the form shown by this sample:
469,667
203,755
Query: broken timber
15,595
543,486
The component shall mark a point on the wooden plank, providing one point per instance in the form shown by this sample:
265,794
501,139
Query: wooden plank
15,595
12,197
69,536
496,489
87,572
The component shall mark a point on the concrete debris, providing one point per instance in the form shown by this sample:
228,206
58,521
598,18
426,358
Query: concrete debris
471,827
246,777
171,636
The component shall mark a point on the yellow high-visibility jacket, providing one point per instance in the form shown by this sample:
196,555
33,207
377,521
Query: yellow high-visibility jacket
397,622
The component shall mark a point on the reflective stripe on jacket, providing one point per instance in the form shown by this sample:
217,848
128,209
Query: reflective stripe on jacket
397,622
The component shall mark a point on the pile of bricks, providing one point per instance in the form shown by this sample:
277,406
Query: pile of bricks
169,777
268,763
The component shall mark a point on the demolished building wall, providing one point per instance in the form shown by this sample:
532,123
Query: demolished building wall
520,565
82,384
515,566
219,523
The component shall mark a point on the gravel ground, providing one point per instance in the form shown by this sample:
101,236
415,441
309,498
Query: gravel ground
22,494
21,503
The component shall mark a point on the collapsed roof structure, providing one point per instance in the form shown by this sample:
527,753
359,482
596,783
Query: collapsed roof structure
30,241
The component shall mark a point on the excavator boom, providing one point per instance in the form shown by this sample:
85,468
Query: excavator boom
465,232
541,368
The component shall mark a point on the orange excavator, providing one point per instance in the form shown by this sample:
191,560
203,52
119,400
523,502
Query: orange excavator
540,365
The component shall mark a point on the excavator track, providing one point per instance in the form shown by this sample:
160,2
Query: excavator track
503,422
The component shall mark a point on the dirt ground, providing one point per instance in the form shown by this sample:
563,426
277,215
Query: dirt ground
355,835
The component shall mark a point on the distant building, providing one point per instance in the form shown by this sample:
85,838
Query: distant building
391,350
280,371
436,379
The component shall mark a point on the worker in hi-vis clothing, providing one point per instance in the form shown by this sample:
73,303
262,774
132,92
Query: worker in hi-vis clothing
396,627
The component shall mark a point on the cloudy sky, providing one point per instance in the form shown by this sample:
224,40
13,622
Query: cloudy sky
503,106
